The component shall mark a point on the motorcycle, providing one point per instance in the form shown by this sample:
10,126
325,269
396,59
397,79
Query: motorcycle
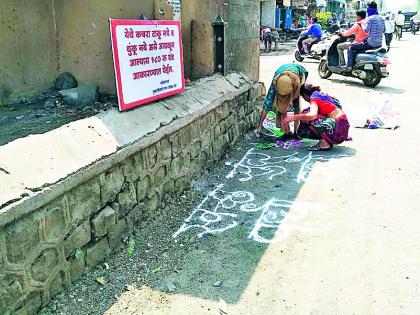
415,26
317,50
370,66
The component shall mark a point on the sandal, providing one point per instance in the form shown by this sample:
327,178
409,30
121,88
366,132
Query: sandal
317,147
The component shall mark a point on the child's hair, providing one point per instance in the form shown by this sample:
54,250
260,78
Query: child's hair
308,89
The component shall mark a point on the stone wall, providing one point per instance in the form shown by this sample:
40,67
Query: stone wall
47,248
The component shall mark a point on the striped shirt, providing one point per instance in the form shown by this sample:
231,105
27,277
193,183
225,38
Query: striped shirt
375,28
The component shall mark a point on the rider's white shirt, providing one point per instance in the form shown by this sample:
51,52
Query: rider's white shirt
399,19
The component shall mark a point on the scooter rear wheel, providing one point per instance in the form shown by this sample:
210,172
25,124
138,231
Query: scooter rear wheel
372,79
323,71
298,56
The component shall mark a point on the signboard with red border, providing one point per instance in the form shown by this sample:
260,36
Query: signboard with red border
148,60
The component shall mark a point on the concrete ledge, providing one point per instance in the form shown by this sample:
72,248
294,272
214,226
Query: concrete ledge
58,160
84,186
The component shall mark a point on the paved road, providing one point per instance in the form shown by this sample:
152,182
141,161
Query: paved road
299,233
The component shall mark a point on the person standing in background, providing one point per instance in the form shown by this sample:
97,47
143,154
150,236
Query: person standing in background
399,23
389,31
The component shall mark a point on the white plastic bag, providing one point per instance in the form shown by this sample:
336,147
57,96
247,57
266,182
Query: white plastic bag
383,115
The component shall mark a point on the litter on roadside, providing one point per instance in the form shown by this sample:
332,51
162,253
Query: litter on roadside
378,115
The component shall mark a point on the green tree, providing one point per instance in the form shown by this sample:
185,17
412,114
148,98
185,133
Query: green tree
323,18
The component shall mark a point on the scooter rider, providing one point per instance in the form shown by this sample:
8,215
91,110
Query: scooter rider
314,34
375,28
357,30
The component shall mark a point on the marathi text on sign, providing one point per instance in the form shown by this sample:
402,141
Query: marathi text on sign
148,60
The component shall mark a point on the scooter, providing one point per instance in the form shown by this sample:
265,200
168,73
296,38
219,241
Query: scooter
317,50
370,66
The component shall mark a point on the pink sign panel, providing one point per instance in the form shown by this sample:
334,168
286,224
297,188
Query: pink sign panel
148,60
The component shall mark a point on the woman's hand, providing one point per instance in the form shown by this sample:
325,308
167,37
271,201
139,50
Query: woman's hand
288,119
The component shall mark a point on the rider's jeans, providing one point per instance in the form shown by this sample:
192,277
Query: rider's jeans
354,49
340,49
388,39
399,30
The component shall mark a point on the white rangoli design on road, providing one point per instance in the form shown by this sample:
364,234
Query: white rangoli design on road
219,211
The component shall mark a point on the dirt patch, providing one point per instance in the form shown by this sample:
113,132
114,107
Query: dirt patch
282,49
44,113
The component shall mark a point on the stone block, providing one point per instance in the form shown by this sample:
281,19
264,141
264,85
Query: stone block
241,127
169,186
165,149
240,111
207,122
217,130
84,200
22,238
143,188
97,252
31,305
195,167
195,132
207,138
195,149
56,219
44,264
224,126
258,91
159,176
176,143
77,265
136,216
116,206
130,171
103,221
78,238
232,133
230,122
255,117
211,116
127,199
57,284
250,107
151,206
220,146
185,137
241,99
111,183
117,231
151,156
222,111
182,184
249,121
177,164
206,156
11,289
140,160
